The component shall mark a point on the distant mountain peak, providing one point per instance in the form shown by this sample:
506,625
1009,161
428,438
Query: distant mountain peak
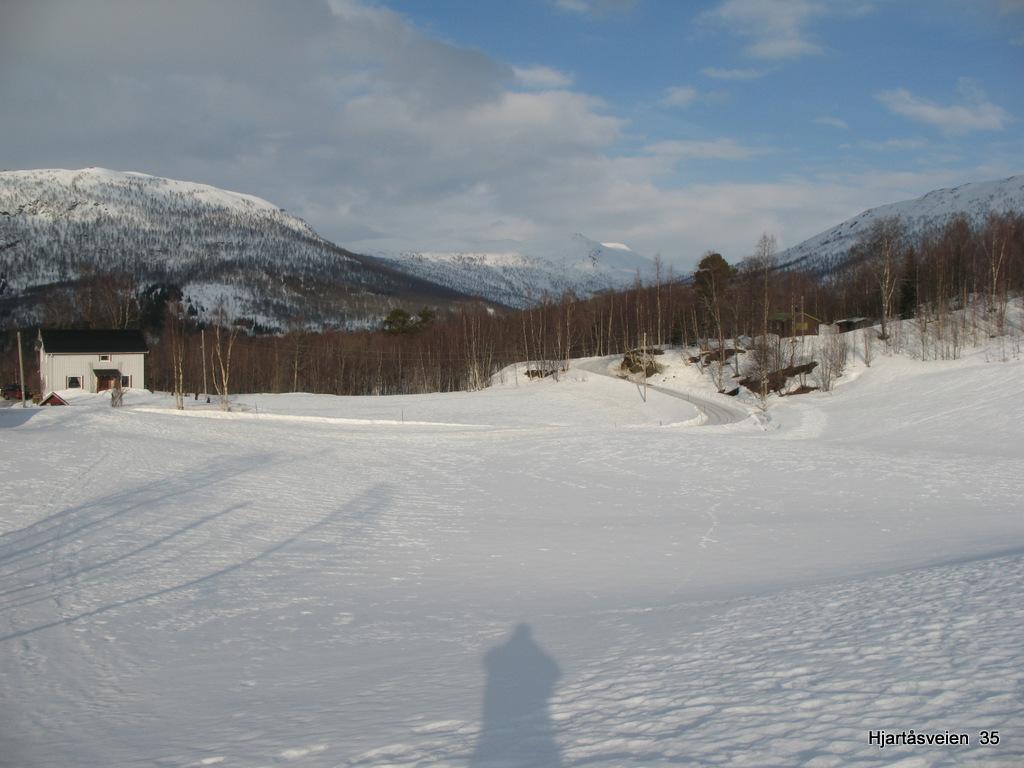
519,274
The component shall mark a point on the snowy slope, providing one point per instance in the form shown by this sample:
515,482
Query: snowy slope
116,188
106,213
58,226
976,200
538,574
526,272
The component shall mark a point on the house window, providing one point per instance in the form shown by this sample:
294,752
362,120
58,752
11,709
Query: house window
104,358
126,381
74,382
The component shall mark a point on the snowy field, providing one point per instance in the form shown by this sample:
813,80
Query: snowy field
539,574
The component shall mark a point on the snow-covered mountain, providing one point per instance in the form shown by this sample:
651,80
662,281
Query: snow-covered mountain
57,227
518,274
825,251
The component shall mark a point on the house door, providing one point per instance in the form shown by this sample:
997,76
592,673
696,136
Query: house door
105,382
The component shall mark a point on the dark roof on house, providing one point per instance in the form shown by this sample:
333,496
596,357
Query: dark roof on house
93,342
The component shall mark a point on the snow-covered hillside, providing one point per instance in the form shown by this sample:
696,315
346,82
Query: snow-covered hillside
538,574
116,189
524,273
57,226
824,251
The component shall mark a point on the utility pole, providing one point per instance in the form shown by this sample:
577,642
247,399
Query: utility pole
202,343
21,371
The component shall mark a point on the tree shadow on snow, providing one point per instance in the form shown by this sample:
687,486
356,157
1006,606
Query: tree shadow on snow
517,731
355,515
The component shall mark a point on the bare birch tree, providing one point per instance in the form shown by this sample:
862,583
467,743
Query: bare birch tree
868,340
884,244
996,238
764,258
223,344
175,322
833,352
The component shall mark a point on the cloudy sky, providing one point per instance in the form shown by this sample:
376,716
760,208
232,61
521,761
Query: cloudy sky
673,126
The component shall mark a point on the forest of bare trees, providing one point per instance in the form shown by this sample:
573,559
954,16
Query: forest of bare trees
888,277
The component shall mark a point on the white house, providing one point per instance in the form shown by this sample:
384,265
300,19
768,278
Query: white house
91,360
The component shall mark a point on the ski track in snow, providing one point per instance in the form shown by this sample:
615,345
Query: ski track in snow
420,580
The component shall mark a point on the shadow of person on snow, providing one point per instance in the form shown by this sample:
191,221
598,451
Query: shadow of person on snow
517,730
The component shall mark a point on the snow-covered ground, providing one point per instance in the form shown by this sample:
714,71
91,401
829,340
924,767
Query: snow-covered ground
539,574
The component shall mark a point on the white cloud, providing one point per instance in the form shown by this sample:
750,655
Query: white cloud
894,145
835,122
733,74
541,77
715,149
594,6
679,96
780,29
974,113
776,28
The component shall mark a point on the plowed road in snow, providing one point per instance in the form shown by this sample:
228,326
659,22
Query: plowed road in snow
716,413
